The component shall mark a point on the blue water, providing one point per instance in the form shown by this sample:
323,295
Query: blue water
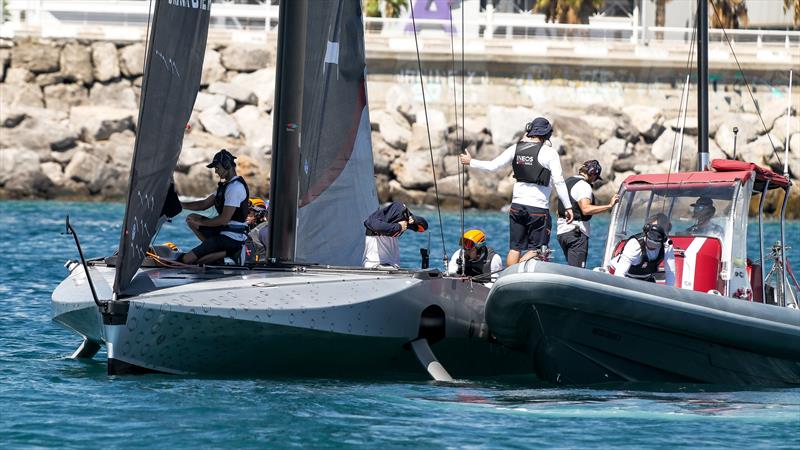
49,400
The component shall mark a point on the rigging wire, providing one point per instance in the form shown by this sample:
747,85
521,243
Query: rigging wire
747,84
462,187
430,143
460,140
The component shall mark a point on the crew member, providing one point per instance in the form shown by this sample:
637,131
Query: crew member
383,227
224,234
643,253
703,211
258,231
480,258
574,237
537,168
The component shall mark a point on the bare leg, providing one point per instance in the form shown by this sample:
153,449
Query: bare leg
211,257
530,254
189,258
195,229
512,258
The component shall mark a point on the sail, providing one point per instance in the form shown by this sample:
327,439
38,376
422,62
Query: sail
172,78
337,185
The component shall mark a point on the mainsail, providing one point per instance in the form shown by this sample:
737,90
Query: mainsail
337,186
172,78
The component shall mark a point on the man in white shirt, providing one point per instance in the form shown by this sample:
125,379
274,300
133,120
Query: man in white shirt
703,211
574,237
537,169
383,227
480,259
644,252
224,234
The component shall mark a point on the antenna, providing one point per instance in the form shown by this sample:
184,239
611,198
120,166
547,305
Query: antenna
788,136
735,135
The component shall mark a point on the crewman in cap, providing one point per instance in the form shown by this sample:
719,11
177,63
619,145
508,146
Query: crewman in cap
703,211
537,168
383,227
224,234
643,253
574,237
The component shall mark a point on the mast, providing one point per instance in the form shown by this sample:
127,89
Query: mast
287,128
702,85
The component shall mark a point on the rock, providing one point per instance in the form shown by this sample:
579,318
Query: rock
624,165
761,150
689,127
218,122
575,132
5,58
255,126
450,186
17,96
262,84
213,70
648,120
76,63
244,58
29,185
131,59
507,124
397,99
382,188
191,156
413,169
84,167
64,96
53,171
666,146
205,101
11,118
36,57
106,62
18,75
449,165
419,137
794,155
484,189
603,127
238,92
383,156
49,79
65,156
794,144
16,162
400,194
394,130
199,182
41,134
117,95
779,130
608,154
624,126
256,175
98,123
749,126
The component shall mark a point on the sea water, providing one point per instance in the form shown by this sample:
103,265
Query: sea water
47,399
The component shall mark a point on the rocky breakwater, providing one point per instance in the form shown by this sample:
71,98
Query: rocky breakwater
69,109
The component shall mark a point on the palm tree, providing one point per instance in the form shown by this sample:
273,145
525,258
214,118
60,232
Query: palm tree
787,5
568,11
661,16
729,14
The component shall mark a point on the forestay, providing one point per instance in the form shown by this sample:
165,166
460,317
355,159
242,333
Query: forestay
337,186
172,78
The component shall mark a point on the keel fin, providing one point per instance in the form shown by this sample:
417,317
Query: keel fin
428,360
86,350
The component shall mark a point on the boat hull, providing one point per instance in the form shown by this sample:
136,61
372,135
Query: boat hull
582,327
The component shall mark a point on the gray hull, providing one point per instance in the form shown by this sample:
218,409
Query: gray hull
311,323
583,327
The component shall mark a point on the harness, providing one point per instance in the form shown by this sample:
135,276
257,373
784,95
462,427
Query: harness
576,209
240,215
482,266
526,166
645,269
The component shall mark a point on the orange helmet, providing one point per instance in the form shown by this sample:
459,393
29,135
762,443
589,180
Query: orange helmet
473,238
171,246
257,203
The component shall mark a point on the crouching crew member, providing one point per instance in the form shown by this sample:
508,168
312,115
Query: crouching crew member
480,259
258,231
224,234
383,227
574,237
643,253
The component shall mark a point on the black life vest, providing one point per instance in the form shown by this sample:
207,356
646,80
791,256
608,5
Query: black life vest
482,265
647,267
527,168
577,214
240,215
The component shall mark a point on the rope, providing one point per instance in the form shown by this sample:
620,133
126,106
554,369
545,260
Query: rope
747,84
166,262
147,39
461,170
430,143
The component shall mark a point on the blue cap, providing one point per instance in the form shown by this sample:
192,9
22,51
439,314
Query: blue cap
539,127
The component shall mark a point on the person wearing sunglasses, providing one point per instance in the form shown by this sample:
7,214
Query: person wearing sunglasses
383,227
645,251
474,257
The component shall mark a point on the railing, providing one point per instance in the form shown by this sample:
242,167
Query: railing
124,19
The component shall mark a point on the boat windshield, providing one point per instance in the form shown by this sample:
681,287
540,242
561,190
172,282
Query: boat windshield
686,211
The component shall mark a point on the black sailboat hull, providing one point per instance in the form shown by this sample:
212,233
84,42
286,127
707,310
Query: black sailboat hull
583,327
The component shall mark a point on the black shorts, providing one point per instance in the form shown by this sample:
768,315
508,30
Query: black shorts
576,247
219,243
529,227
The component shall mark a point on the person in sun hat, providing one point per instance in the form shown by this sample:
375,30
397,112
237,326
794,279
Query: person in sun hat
537,169
383,227
224,234
574,237
644,252
474,257
703,211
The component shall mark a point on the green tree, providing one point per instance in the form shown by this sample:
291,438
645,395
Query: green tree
391,8
568,11
729,14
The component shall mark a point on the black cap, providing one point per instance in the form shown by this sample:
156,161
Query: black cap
703,201
592,167
419,225
223,157
655,233
539,127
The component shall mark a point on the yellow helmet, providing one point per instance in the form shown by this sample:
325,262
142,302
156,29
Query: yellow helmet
171,246
257,203
472,238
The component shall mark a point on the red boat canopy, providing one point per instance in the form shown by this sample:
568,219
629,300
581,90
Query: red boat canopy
724,171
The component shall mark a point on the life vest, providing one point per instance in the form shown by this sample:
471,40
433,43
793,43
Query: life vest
482,265
646,267
577,214
527,168
240,215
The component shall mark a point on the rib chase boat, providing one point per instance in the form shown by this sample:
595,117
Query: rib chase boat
309,311
727,321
